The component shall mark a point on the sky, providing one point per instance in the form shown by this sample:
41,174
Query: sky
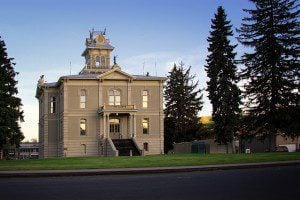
48,36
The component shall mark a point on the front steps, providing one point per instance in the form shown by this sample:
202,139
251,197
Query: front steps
126,147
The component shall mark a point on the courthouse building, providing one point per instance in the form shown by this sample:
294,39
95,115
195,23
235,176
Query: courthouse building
102,111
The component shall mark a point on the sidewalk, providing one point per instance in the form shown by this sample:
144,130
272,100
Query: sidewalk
119,171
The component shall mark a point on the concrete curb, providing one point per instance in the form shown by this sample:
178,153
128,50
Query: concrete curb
120,171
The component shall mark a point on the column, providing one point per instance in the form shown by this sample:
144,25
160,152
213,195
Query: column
134,125
100,94
130,125
104,125
107,124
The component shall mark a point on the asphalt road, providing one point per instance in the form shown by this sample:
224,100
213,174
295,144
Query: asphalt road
260,183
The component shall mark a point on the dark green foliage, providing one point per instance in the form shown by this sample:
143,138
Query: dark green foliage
271,70
183,102
221,71
10,112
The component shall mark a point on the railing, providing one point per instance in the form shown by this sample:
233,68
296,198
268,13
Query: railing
117,107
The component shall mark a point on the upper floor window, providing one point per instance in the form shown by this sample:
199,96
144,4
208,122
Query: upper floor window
82,98
145,124
52,105
82,126
145,99
100,61
114,97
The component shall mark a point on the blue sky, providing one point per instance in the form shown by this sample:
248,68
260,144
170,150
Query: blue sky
44,36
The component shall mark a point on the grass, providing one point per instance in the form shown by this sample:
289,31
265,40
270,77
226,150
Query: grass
143,161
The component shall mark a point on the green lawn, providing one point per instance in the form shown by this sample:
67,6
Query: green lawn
143,161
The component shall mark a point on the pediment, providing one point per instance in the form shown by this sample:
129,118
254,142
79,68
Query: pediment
116,74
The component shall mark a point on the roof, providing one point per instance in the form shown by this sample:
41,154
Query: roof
96,76
148,77
81,76
102,46
50,84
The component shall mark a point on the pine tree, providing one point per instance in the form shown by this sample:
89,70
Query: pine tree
10,111
222,73
183,102
271,70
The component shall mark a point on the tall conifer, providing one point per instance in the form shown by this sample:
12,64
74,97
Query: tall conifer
10,111
222,73
183,102
271,68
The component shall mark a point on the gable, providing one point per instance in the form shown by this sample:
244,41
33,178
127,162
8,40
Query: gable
115,74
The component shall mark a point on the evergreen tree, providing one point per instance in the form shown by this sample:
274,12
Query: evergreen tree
10,112
271,69
221,70
183,102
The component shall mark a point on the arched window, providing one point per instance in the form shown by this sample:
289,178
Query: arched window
145,99
82,98
145,124
102,61
83,146
82,126
88,62
97,61
114,97
146,146
52,105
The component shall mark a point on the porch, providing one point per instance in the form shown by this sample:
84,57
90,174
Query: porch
118,121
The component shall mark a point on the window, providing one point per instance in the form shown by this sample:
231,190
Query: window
145,99
114,97
82,98
98,61
145,123
102,61
83,146
83,127
146,146
114,125
88,60
53,105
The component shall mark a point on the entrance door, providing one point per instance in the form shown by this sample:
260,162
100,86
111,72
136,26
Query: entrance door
114,128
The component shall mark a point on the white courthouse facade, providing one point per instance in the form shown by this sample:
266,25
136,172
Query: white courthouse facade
102,111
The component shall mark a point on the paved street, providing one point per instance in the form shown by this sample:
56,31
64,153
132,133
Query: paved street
261,183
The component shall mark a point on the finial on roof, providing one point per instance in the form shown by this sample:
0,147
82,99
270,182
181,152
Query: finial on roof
115,63
41,81
115,60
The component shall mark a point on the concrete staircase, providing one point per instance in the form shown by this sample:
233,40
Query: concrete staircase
126,147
